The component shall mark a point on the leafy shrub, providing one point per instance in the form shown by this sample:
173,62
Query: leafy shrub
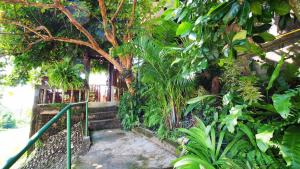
128,111
212,147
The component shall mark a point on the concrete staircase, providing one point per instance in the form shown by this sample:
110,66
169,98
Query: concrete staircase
103,117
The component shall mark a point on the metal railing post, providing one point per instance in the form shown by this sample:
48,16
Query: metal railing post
68,139
86,118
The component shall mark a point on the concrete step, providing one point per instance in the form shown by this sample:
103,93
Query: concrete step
103,109
104,124
102,115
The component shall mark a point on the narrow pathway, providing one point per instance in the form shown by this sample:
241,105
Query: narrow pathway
118,149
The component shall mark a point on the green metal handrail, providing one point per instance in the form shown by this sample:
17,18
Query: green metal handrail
38,134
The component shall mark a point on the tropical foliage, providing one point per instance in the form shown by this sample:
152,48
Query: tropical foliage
199,58
202,66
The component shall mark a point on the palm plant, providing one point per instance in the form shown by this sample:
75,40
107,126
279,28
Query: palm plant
65,75
165,80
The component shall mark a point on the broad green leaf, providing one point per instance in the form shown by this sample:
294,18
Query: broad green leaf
216,13
267,36
240,35
227,98
184,28
290,147
199,99
282,104
192,162
275,73
256,7
231,119
183,14
168,14
176,3
263,137
177,60
190,107
281,7
248,132
244,13
232,12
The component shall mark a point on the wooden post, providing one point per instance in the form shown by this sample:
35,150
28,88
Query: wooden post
44,96
110,78
79,95
87,69
71,97
53,97
62,96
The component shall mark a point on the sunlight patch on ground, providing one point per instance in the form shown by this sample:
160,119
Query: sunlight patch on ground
11,141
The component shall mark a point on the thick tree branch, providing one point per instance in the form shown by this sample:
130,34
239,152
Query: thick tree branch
280,42
128,36
132,14
45,29
117,11
77,24
110,35
32,30
57,5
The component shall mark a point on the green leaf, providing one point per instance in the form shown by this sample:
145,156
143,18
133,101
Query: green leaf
183,14
275,73
177,60
282,104
290,147
192,162
199,99
244,13
227,98
248,132
232,12
240,35
263,137
281,7
217,12
231,119
184,28
256,7
267,36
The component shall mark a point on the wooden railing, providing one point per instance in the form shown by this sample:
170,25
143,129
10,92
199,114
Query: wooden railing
97,93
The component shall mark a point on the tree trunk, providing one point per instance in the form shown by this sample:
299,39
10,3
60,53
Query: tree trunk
295,5
128,81
34,115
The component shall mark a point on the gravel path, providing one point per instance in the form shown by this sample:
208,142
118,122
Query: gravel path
118,149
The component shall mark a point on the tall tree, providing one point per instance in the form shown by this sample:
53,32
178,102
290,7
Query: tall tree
118,22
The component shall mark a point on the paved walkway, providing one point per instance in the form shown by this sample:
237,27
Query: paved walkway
118,149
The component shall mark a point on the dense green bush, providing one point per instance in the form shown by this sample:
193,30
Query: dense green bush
128,111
